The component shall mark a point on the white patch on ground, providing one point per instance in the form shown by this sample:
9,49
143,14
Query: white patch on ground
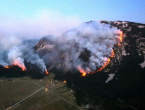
141,26
124,22
142,44
117,22
124,53
143,63
118,57
129,29
110,77
143,39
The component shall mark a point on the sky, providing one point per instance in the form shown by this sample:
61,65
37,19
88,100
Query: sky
85,10
33,19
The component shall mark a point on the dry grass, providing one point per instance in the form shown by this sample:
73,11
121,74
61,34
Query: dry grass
56,97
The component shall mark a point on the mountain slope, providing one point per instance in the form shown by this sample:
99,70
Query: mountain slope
120,85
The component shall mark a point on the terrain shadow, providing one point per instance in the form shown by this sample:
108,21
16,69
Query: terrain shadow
15,71
125,91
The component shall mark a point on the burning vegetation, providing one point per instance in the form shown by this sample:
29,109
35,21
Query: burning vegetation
82,71
22,66
46,72
106,61
87,48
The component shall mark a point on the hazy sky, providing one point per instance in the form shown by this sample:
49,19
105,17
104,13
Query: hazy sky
85,10
33,19
30,19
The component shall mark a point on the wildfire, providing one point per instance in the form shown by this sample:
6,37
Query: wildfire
7,67
121,36
46,72
105,64
82,71
64,81
102,67
17,63
23,67
112,54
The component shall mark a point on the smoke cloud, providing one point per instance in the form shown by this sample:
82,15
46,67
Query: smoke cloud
16,28
15,57
89,46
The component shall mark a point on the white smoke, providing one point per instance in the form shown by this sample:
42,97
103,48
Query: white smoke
98,39
34,58
93,38
15,57
23,52
3,63
15,28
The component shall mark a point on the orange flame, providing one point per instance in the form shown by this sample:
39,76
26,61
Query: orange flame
17,63
121,36
7,67
20,65
64,81
119,44
102,67
107,61
82,71
105,64
112,54
23,67
46,72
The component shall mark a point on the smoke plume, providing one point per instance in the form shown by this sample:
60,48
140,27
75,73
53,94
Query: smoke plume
16,28
86,48
15,57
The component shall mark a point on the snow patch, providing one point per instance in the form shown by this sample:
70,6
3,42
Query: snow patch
117,22
141,26
142,64
124,53
124,22
110,77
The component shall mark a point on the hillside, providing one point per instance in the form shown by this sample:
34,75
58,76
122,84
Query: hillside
119,85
